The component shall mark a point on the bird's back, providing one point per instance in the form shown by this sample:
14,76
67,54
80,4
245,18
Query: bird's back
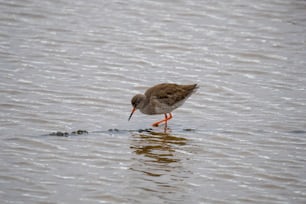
170,94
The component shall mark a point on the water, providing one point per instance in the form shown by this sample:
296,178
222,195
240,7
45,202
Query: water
75,65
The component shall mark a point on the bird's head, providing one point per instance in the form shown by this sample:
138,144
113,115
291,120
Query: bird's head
137,102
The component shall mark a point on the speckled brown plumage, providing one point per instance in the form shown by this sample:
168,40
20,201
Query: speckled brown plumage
170,93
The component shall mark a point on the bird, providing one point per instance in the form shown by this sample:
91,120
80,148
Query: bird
162,99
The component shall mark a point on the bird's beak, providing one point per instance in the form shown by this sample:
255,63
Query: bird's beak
133,110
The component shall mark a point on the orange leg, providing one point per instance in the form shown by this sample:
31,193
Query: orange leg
170,116
164,120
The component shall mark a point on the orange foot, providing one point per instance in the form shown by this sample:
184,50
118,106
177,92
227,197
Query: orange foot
156,124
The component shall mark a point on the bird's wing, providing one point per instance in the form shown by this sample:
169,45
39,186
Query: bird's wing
170,93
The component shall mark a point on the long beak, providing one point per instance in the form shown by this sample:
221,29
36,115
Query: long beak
134,109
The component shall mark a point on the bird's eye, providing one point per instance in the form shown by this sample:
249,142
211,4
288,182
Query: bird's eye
135,103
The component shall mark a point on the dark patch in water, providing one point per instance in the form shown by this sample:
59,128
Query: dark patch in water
79,132
298,131
110,131
189,130
66,134
59,134
113,130
145,130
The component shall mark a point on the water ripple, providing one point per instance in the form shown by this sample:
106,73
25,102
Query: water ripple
75,65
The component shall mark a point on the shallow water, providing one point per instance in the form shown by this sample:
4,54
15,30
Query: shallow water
68,66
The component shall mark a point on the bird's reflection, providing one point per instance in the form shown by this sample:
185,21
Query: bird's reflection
158,151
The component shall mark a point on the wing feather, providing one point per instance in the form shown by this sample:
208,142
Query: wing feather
170,94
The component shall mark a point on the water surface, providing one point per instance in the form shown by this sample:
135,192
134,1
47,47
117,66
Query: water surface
75,65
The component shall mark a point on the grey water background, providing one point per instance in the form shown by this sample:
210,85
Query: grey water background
70,65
